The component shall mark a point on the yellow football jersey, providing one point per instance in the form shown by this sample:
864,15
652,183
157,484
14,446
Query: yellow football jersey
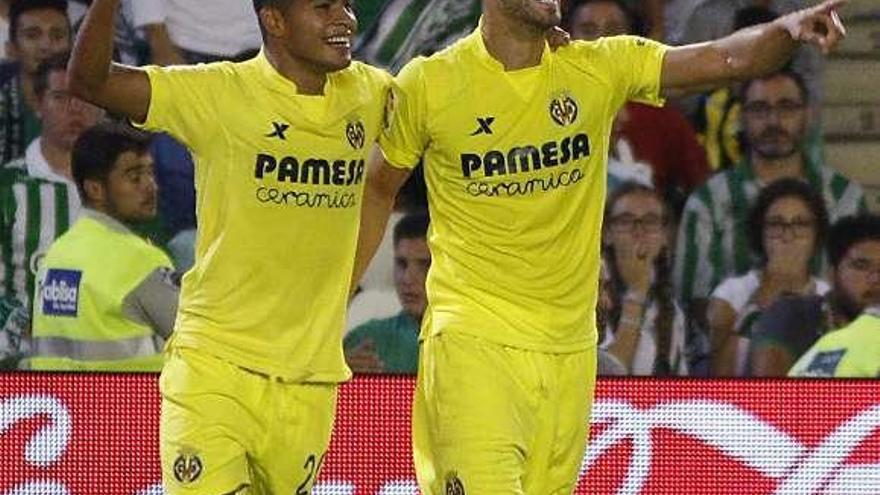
515,163
279,180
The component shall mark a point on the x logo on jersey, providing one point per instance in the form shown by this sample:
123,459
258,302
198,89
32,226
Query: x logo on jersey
485,126
279,129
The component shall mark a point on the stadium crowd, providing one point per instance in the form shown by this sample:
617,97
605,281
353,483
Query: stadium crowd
729,247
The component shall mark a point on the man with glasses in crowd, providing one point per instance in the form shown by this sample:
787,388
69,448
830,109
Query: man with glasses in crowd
712,240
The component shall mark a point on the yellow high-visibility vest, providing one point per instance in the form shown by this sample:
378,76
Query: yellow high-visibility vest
79,323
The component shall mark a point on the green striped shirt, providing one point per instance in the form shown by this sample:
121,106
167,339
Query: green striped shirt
395,31
33,213
713,233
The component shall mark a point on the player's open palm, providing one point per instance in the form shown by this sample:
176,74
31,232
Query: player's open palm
819,25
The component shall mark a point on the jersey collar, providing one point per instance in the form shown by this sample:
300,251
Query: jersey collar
339,92
478,47
274,80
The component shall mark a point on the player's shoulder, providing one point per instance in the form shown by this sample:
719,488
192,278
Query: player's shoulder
452,61
603,50
216,69
368,74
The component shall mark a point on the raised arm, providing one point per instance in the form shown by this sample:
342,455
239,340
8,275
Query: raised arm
751,52
93,77
380,189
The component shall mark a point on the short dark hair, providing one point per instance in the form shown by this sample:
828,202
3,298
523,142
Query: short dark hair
636,24
849,231
794,76
259,5
55,63
97,149
784,188
21,7
411,226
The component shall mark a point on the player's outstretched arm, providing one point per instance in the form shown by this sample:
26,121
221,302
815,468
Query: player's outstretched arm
751,52
91,75
380,190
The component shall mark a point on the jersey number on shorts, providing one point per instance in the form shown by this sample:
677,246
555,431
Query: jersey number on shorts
312,469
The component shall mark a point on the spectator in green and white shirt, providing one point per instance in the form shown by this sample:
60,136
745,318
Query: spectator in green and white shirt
713,239
394,31
38,198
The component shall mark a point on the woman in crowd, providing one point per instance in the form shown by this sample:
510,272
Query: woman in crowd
786,230
644,329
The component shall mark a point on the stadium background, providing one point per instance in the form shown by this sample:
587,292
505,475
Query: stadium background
90,434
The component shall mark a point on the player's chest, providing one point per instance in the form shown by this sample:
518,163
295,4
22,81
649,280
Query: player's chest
336,124
495,134
486,115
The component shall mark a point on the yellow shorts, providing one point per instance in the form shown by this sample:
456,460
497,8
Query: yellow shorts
228,430
490,419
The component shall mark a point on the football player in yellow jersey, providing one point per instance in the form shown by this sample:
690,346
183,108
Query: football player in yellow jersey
280,142
514,139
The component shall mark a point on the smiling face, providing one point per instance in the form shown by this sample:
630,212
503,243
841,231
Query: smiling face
315,33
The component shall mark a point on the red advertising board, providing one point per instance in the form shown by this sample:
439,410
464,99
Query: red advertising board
97,434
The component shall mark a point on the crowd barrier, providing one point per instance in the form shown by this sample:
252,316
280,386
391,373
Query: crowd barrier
83,434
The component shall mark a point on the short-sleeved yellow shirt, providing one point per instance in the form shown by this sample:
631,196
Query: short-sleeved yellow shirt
279,181
515,163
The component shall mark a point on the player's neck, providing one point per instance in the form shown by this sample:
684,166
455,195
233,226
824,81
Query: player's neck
308,78
513,43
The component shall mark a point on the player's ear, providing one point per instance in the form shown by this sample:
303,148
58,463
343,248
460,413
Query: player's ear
272,20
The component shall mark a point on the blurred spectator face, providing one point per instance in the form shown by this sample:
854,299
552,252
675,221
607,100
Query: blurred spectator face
64,117
130,188
40,34
789,230
775,117
318,32
412,258
638,221
598,20
857,277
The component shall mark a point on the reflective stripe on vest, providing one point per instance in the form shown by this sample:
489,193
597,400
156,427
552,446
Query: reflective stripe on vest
94,350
